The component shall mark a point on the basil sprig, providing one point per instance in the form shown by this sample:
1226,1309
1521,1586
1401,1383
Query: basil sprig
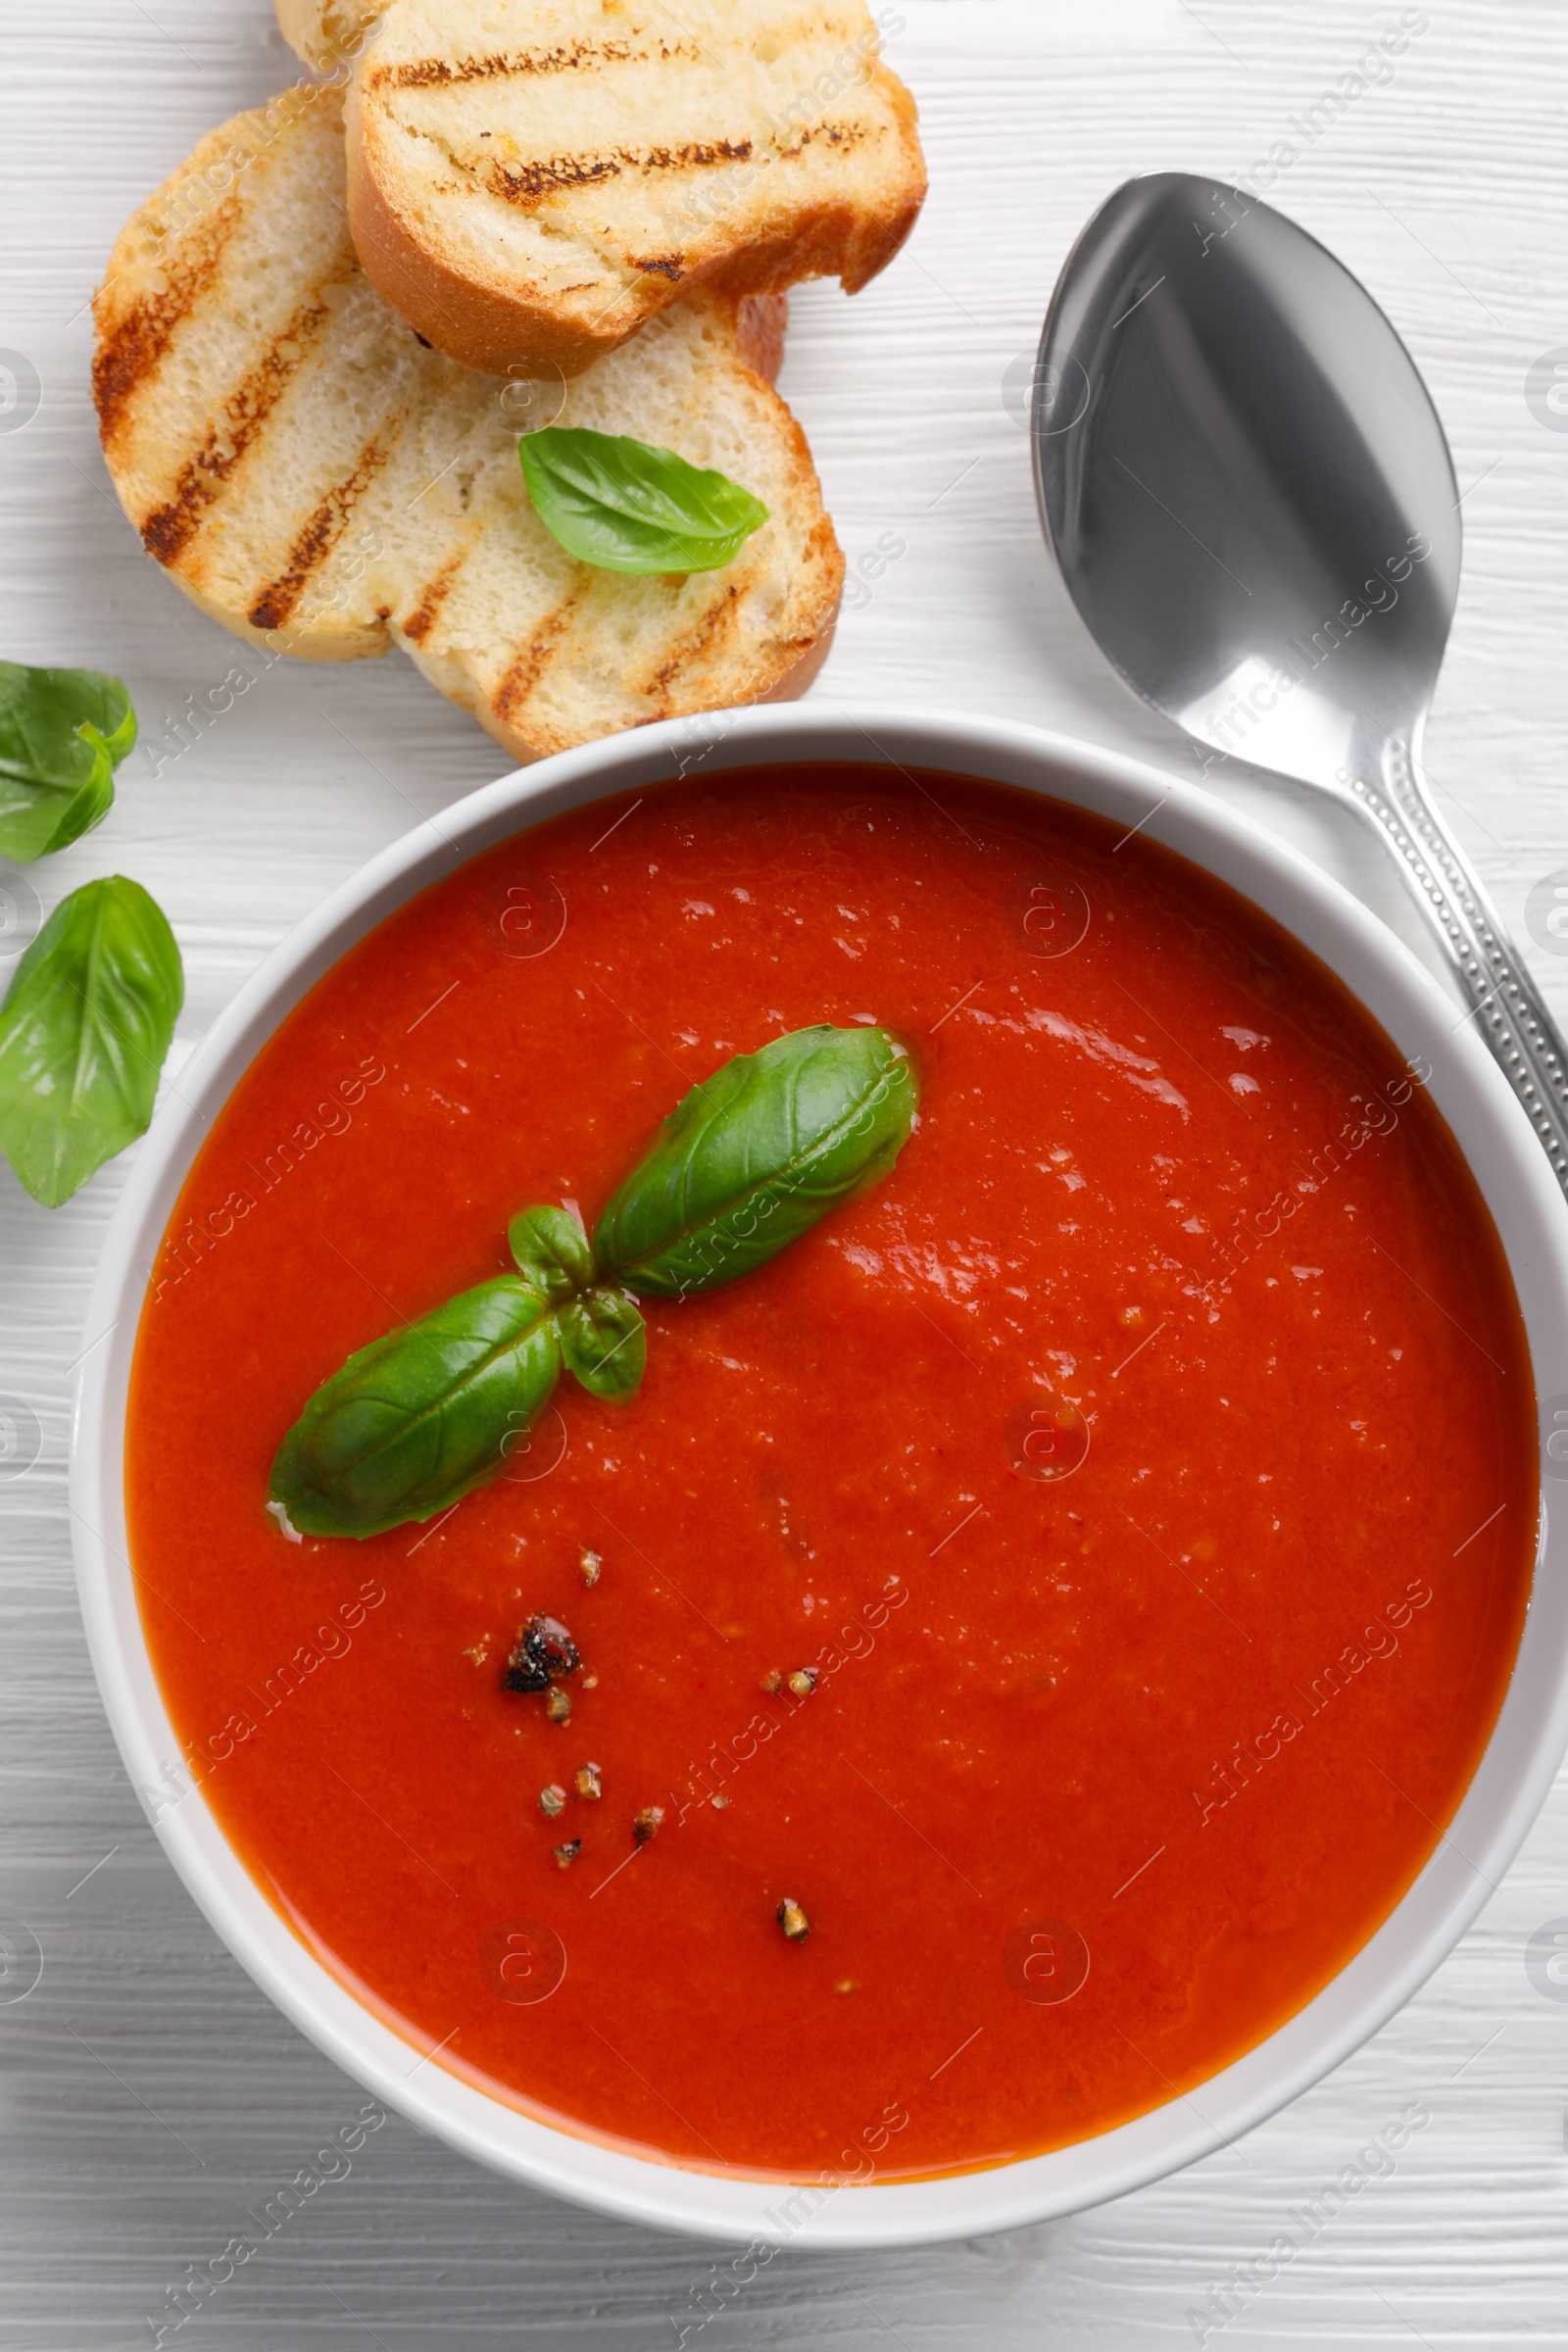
625,505
749,1163
83,1033
62,733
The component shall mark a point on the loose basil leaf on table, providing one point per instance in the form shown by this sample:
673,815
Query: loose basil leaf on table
552,1251
752,1158
418,1419
605,1341
83,1033
62,733
625,505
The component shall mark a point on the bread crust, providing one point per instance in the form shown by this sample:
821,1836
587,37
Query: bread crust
300,23
763,322
463,241
803,674
327,34
323,485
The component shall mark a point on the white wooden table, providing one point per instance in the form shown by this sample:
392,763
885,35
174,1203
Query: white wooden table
150,2093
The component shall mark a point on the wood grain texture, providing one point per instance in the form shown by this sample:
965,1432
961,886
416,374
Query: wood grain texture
151,2095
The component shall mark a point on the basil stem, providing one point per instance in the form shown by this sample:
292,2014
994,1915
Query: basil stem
62,733
605,1341
625,505
83,1033
416,1420
752,1158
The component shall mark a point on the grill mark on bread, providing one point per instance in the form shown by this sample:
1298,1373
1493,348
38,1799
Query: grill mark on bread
695,154
531,663
278,601
171,527
431,596
526,183
440,72
715,624
132,347
837,134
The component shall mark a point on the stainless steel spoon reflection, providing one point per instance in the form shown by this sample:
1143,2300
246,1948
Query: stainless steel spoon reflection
1246,485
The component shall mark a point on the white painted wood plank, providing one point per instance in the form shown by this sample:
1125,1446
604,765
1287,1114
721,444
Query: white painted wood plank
150,2096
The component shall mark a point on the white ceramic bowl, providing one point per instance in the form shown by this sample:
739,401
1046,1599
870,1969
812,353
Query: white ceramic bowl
1519,1763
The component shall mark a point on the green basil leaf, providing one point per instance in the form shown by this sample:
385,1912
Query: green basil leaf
605,1341
62,733
552,1251
83,1033
625,505
752,1158
418,1419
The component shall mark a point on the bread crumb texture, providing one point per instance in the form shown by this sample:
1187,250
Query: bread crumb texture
317,479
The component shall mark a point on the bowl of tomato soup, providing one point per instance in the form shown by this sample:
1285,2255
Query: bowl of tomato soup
1059,1653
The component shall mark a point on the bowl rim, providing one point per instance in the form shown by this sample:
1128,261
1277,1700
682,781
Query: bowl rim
1517,1766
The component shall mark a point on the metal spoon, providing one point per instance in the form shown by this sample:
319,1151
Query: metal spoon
1246,485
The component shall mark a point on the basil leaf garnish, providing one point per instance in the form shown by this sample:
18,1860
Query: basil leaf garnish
552,1251
83,1033
605,1341
749,1163
62,733
752,1158
416,1420
625,505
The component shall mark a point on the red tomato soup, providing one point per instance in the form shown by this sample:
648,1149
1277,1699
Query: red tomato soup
1145,1468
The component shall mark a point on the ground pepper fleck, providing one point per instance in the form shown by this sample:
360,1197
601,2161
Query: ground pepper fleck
558,1706
544,1652
565,1855
647,1822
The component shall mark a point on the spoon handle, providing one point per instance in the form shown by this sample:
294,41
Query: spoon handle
1510,1014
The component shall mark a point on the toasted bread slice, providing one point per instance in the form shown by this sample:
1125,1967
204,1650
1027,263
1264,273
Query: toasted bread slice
316,479
532,181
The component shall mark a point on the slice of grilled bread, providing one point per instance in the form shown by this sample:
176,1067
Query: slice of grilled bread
534,181
317,479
